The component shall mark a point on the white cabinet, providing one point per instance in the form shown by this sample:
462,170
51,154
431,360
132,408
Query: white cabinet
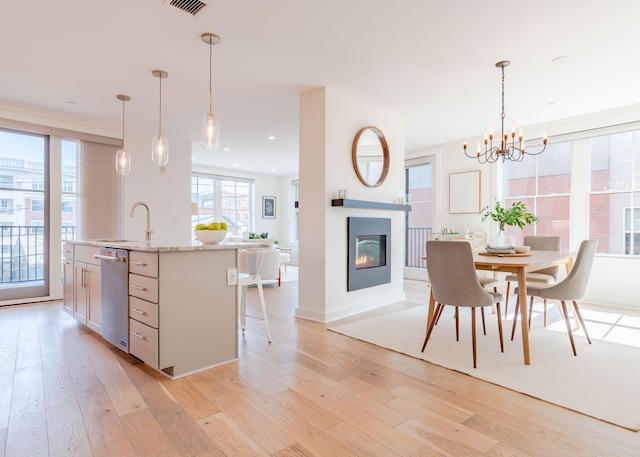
87,289
143,307
67,289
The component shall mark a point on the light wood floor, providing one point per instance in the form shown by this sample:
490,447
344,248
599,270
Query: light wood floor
312,392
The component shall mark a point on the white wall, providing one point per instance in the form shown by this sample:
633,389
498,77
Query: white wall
167,194
329,122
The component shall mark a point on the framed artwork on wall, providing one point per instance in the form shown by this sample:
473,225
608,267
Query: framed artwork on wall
268,207
464,192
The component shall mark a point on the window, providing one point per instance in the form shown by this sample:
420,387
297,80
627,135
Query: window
543,183
67,207
222,199
68,186
6,181
614,198
37,206
419,192
6,206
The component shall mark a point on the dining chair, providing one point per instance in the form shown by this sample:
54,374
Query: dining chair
253,260
544,276
454,282
572,288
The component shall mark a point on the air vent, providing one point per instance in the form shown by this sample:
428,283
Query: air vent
192,7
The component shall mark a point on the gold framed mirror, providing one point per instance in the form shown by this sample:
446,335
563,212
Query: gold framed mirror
370,156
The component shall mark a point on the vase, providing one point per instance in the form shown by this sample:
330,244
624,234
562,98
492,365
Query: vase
502,239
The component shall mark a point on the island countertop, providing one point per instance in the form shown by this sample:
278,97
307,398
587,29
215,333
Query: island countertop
153,246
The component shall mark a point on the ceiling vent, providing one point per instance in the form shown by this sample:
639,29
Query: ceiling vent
192,7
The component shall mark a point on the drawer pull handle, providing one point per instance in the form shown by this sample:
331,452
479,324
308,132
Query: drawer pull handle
140,264
137,335
133,286
137,311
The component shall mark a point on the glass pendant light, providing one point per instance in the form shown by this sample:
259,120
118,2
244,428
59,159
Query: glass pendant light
210,133
160,143
123,158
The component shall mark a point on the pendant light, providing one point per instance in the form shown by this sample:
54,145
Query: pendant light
160,144
210,133
123,158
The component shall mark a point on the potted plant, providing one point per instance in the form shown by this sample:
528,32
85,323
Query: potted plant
517,214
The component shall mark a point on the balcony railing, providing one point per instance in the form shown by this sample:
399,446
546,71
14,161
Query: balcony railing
416,245
22,252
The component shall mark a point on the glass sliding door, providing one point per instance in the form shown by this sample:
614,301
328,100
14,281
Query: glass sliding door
24,215
419,192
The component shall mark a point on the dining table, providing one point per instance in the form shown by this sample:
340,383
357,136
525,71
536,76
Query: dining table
519,264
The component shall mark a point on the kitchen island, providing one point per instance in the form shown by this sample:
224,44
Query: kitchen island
182,300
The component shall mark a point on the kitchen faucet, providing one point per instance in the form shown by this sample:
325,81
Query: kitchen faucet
148,231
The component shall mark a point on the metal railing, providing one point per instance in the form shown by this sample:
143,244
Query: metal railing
415,247
22,250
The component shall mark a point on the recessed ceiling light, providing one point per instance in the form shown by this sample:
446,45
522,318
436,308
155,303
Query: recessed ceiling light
271,137
227,149
273,169
560,59
237,164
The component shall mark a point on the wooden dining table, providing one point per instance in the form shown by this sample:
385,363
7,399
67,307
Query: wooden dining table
519,264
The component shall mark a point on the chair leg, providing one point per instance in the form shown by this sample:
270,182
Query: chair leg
264,310
457,325
530,310
242,307
506,302
576,309
437,316
545,311
515,317
432,324
566,319
280,276
484,327
473,334
500,328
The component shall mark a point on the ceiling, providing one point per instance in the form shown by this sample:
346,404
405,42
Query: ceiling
431,62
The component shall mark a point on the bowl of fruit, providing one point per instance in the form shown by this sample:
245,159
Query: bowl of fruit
211,234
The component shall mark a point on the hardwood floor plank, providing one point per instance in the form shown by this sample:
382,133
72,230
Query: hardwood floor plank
124,396
229,437
5,405
58,383
27,431
359,442
29,342
174,420
146,435
189,398
3,441
67,435
409,398
104,428
8,355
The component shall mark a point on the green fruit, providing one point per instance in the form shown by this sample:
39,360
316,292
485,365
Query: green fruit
201,227
223,226
214,226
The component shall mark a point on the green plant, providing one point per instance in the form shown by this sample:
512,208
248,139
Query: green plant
516,215
256,236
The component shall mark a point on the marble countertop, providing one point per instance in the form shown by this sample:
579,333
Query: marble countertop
152,246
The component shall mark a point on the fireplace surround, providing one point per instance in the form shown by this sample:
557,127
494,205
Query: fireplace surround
369,252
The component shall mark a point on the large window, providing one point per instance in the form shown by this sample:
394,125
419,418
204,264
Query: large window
419,192
543,183
222,199
614,199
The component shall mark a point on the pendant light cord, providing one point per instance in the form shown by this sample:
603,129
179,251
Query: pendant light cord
210,72
160,115
123,101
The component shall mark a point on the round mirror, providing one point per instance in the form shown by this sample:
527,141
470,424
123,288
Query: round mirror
370,156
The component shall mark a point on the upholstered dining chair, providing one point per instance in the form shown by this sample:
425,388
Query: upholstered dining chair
572,288
454,282
544,276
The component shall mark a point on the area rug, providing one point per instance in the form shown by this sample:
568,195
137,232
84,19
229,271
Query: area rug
601,382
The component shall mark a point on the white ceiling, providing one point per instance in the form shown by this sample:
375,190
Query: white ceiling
429,61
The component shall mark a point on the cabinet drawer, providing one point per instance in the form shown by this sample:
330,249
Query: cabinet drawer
143,263
143,343
67,251
143,287
85,254
143,311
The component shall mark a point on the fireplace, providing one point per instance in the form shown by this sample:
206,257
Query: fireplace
369,252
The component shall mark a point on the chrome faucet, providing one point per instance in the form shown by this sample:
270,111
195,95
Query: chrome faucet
148,231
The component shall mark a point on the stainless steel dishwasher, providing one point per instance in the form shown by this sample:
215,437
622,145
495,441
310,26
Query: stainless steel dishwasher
114,270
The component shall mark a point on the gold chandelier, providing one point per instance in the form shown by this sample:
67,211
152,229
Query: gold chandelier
509,149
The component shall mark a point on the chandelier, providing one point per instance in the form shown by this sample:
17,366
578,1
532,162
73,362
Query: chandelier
509,148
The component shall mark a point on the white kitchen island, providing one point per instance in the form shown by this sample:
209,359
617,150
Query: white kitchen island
182,312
